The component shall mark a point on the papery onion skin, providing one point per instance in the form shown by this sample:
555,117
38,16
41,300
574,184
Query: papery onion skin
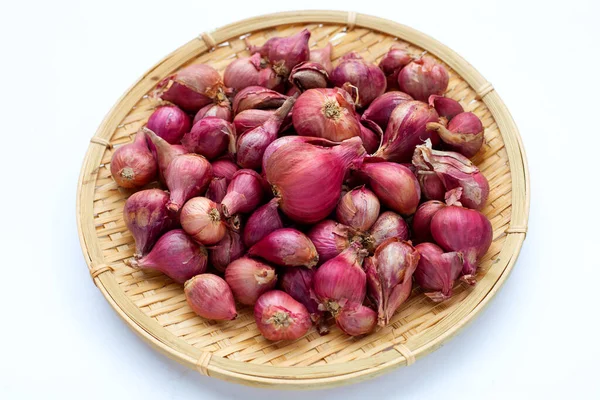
309,75
193,87
325,113
341,280
392,62
388,225
220,110
279,317
454,170
389,275
358,209
229,249
421,224
264,220
432,186
224,168
464,133
437,271
308,179
394,184
165,152
187,175
243,72
445,106
468,231
249,279
251,145
132,165
322,56
209,137
286,247
245,192
210,297
381,108
146,216
284,53
356,320
407,128
176,255
366,77
330,238
423,78
170,123
290,139
200,218
257,97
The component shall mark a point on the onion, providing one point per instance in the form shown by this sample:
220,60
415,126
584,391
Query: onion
298,283
432,187
309,75
244,193
445,106
381,108
322,56
389,276
192,87
359,209
249,279
454,170
330,238
437,271
243,72
467,231
170,123
366,77
263,221
464,133
187,175
341,280
209,137
308,179
422,78
406,129
291,139
284,53
286,247
219,110
279,317
325,113
210,297
146,217
421,225
224,168
176,255
392,62
395,185
388,225
200,218
132,165
165,152
356,319
217,189
229,249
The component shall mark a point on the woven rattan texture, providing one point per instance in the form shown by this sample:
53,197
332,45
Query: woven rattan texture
163,300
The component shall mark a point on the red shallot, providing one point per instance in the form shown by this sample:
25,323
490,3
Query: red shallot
210,297
279,317
437,271
200,218
286,247
132,165
187,175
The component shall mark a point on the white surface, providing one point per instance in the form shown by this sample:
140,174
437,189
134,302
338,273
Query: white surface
61,340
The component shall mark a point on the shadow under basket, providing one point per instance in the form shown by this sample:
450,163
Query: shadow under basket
155,307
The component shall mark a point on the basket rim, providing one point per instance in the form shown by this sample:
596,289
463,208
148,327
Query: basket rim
294,377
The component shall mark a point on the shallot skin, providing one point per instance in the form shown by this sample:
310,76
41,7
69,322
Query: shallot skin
284,53
279,317
286,247
330,238
445,106
249,279
176,255
146,216
423,78
170,123
366,77
437,271
456,228
133,165
210,297
388,225
192,87
356,320
407,128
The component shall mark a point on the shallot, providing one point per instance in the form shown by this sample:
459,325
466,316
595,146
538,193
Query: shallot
192,87
389,275
381,108
392,62
176,255
445,106
209,137
330,238
287,247
200,218
298,283
421,224
210,297
322,56
388,225
229,249
146,216
165,152
170,123
309,75
422,78
369,80
244,193
249,279
263,221
221,110
132,165
257,97
284,53
279,317
187,175
464,133
356,319
359,209
437,271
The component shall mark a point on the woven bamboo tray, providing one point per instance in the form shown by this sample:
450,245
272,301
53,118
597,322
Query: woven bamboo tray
155,307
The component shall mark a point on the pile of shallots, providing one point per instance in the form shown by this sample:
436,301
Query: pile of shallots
291,181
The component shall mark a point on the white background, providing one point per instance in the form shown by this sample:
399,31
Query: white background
63,66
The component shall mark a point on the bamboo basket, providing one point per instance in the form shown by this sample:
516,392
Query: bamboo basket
155,307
